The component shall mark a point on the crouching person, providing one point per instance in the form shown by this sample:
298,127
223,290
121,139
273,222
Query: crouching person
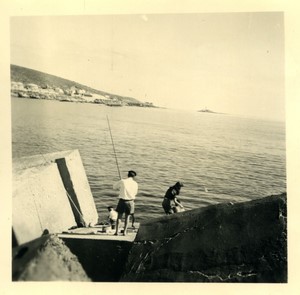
112,217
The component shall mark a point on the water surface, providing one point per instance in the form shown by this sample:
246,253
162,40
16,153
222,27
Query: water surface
234,158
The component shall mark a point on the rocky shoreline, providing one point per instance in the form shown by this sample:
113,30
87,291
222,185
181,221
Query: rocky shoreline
72,94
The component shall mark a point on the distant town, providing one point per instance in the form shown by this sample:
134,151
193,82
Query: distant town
72,94
29,83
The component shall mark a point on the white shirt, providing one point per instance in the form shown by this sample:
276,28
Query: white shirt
113,215
128,188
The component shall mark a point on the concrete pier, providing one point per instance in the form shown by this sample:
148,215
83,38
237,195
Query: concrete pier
55,235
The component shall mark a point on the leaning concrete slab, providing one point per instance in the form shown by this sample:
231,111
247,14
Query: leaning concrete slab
39,203
50,192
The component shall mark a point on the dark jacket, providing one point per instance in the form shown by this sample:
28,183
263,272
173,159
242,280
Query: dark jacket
172,192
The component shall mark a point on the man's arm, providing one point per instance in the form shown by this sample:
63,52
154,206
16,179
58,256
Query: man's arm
116,185
179,204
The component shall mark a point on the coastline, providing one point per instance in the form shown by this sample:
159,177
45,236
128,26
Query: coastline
57,94
33,84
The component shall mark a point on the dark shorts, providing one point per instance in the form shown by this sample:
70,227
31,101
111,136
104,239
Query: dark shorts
167,206
112,223
125,206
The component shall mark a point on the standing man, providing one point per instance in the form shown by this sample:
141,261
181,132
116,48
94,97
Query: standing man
128,189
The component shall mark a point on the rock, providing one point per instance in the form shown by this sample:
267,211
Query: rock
241,242
46,259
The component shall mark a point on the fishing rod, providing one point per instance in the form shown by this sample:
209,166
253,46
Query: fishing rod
112,140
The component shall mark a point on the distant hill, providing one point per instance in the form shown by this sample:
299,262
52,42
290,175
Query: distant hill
27,76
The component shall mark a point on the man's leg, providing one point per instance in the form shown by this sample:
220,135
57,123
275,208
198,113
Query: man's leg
126,223
133,219
117,224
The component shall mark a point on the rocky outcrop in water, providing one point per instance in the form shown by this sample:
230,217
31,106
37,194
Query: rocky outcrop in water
241,242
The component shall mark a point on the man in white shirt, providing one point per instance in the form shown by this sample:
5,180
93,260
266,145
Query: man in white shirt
128,189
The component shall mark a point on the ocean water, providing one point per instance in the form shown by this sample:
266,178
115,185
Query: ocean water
218,157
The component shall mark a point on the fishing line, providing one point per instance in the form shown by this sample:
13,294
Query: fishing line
112,140
68,195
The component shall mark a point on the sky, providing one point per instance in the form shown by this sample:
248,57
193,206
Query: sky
226,62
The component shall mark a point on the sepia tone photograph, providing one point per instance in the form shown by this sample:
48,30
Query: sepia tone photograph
149,148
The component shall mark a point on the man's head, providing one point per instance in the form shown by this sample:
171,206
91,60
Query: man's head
131,173
179,184
109,208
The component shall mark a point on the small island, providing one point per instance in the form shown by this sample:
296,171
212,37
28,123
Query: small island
206,110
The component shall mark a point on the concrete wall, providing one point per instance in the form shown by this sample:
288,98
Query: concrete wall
40,200
241,242
102,260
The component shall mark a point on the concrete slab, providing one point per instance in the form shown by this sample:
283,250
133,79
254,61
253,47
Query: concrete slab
39,203
50,192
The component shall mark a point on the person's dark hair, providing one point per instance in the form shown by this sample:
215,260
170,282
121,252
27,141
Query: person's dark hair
131,173
178,184
110,207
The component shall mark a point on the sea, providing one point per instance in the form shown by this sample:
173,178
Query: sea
218,157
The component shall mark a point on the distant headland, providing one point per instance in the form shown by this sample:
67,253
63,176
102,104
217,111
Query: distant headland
29,83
